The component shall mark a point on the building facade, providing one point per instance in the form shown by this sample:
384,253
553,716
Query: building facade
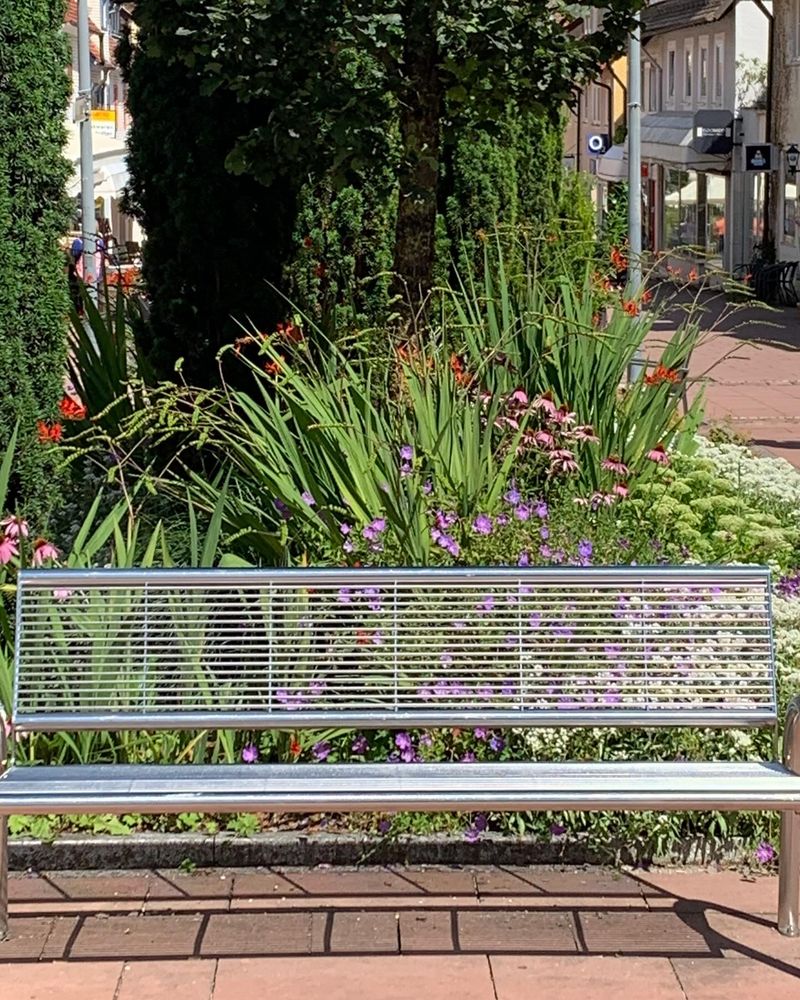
786,128
109,115
702,56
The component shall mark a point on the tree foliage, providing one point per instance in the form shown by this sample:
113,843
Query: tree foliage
216,241
426,68
34,89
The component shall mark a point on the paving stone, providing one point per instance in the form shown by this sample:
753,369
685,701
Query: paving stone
344,881
167,884
751,936
725,978
362,932
243,934
437,881
540,881
643,933
524,931
192,980
33,888
26,938
105,888
153,936
583,977
390,977
59,940
428,930
49,980
263,883
698,889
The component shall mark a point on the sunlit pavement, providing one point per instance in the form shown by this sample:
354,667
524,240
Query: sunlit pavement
397,933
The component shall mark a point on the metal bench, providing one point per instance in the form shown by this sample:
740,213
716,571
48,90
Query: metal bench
400,648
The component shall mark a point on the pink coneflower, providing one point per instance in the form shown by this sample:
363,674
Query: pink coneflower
544,438
620,489
615,464
43,551
545,403
562,460
519,397
658,455
563,416
8,549
585,432
14,527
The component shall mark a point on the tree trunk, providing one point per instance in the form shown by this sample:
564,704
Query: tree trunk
421,102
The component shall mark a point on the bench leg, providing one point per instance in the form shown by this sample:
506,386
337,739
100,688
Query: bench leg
789,879
3,877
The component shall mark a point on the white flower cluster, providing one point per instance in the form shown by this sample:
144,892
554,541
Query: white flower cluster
786,619
767,477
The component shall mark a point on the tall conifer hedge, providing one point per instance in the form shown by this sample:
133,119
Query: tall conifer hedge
34,90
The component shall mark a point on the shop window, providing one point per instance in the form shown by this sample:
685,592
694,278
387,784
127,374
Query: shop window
671,74
688,69
652,88
791,212
702,69
719,68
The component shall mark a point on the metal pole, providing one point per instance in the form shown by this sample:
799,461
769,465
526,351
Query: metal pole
83,115
635,177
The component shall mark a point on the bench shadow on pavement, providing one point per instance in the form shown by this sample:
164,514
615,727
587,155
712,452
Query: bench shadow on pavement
517,914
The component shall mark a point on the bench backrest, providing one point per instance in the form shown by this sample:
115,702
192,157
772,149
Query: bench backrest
384,648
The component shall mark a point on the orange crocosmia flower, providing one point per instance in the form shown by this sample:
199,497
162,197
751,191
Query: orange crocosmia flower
693,275
647,296
361,638
295,749
49,433
273,367
72,409
631,307
618,259
662,374
462,376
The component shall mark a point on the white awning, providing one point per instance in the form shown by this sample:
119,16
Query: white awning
715,191
666,138
110,166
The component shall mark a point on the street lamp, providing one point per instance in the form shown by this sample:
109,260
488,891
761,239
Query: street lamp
792,160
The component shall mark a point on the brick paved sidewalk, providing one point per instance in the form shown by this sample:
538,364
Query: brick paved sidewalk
750,358
397,934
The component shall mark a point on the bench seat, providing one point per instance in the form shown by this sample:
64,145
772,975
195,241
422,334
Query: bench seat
621,785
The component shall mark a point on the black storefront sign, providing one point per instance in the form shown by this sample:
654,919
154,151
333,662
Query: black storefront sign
713,133
758,157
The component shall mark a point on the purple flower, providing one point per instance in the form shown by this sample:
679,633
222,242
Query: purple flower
282,509
308,498
250,753
497,743
502,520
373,596
557,830
765,853
403,741
427,487
524,559
446,657
359,745
377,638
384,826
345,528
426,740
522,512
344,595
453,547
406,452
374,529
542,509
348,546
482,524
321,750
476,828
480,733
487,604
545,552
468,758
585,549
513,496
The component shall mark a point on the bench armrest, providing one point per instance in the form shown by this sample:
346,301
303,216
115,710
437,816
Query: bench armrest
791,736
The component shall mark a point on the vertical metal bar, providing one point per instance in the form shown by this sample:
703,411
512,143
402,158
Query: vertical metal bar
395,650
519,643
3,838
87,159
635,178
17,646
145,643
270,641
789,877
